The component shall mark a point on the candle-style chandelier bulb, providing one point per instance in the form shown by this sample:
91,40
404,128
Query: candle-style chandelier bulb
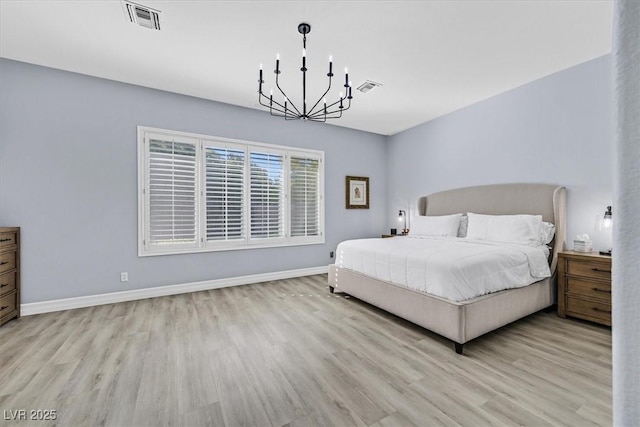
321,111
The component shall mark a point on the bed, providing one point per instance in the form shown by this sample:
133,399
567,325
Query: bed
462,321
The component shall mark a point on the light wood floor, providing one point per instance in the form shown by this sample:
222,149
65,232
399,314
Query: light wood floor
289,353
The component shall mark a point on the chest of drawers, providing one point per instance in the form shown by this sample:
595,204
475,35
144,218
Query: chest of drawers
9,273
584,286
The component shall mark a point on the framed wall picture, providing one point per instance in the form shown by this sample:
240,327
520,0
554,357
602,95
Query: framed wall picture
357,192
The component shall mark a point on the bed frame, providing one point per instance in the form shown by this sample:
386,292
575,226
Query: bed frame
463,321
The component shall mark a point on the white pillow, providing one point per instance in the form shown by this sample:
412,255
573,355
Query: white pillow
520,229
445,225
547,231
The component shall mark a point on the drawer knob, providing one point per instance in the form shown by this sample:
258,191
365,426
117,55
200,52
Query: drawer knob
4,240
3,307
600,270
601,290
600,310
4,262
2,285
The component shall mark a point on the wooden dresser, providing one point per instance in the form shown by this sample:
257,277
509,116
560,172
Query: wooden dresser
9,273
584,286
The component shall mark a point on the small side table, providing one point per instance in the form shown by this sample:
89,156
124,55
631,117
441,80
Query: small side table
584,286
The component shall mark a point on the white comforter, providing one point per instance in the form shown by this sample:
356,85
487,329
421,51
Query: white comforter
449,267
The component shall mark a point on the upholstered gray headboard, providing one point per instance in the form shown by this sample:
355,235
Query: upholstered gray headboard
504,199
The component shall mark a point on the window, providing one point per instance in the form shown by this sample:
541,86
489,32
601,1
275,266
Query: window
267,195
305,196
224,183
200,193
172,191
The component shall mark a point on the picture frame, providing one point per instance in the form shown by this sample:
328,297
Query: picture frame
357,192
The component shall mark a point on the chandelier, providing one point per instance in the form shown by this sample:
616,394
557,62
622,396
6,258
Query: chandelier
320,111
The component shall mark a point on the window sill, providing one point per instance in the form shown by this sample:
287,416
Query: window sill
176,251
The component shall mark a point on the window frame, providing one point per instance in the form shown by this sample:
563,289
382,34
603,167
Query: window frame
247,242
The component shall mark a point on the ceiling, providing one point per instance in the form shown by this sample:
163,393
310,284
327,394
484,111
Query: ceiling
432,57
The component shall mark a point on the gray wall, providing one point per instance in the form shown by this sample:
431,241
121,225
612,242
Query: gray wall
558,130
68,169
68,178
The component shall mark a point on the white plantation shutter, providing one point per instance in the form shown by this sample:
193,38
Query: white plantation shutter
305,196
198,193
171,187
224,187
267,195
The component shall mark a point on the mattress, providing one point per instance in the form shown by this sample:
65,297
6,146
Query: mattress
449,267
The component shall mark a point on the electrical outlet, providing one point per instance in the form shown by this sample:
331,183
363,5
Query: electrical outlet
331,254
124,276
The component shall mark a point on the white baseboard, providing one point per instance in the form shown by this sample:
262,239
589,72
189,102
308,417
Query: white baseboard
136,294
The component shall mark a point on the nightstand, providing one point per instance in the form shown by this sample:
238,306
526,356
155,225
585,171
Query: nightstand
9,273
584,286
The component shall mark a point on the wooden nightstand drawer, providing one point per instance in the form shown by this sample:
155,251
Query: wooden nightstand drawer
7,239
589,310
593,289
8,304
7,261
9,273
584,286
8,282
598,270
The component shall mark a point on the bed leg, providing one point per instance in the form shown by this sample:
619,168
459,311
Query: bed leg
331,289
458,347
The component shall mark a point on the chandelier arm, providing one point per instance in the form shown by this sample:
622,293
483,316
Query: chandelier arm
281,112
318,115
331,114
323,120
291,115
278,104
316,118
270,104
330,111
321,112
340,109
334,104
347,107
277,112
286,97
260,96
275,108
312,111
271,107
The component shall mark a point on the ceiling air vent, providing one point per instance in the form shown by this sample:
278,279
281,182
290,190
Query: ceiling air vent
368,85
142,15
